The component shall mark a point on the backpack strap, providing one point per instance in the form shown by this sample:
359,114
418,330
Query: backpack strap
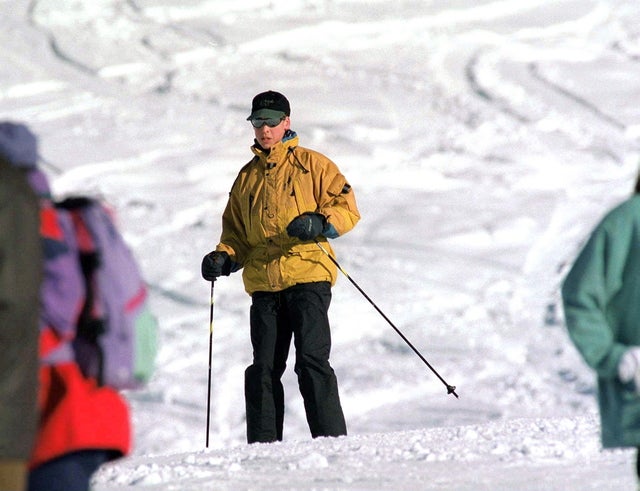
92,311
59,308
91,322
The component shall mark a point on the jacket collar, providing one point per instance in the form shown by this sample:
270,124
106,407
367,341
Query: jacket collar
278,152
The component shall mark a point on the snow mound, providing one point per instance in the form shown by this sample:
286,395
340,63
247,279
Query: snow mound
489,456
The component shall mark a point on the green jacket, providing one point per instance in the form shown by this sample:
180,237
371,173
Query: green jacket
601,296
20,277
269,192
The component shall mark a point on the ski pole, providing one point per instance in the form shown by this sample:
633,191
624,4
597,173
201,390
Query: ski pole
451,389
210,352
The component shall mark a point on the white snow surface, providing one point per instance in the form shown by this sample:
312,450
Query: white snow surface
484,139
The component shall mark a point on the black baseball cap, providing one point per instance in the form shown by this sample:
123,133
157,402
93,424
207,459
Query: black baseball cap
269,105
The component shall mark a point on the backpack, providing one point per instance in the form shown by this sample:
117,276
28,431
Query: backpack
116,334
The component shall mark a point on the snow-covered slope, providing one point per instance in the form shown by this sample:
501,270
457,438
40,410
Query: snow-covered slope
483,139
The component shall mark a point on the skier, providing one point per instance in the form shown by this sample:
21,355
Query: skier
601,296
286,198
81,425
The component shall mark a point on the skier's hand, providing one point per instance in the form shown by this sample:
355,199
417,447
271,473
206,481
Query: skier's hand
216,264
629,367
307,226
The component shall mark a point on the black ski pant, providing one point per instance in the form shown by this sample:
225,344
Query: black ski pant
299,312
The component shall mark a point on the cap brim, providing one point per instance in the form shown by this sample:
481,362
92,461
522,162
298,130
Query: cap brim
266,114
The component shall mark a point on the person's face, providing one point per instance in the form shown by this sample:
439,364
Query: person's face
268,136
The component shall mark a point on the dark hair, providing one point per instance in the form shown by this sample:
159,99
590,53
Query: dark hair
637,188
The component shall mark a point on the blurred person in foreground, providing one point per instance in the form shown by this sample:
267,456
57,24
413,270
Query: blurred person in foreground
601,296
283,201
82,425
20,277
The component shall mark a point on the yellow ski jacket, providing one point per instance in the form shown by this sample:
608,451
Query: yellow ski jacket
269,192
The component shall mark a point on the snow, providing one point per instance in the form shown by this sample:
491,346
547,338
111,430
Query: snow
483,138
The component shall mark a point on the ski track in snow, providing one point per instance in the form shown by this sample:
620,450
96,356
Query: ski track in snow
484,140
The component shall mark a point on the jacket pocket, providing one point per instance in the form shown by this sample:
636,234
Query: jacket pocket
305,201
307,263
338,186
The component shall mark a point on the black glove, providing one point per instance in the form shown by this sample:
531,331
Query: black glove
216,264
307,226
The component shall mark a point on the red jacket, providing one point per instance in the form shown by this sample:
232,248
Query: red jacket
75,413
